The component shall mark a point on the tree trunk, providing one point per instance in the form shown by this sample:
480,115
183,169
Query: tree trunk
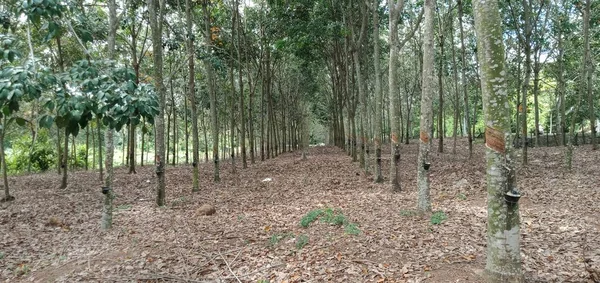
156,10
560,84
7,196
424,202
192,97
108,192
464,77
395,10
589,67
440,121
241,85
211,91
99,126
503,262
527,50
378,94
456,92
65,160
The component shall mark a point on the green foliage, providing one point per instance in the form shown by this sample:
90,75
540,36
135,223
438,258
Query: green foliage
438,217
351,229
334,216
1,255
276,238
331,216
301,241
310,217
461,196
42,157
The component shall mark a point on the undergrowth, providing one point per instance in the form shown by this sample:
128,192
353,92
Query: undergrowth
331,216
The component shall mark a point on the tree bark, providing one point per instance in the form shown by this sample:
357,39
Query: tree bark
424,202
395,8
463,60
192,96
211,91
156,10
378,94
503,262
589,69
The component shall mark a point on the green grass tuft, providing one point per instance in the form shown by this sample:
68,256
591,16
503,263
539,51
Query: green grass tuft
351,229
301,241
310,217
438,217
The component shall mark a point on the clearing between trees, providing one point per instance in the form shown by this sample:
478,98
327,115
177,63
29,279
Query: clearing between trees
356,230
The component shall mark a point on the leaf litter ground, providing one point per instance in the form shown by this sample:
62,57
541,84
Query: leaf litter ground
52,235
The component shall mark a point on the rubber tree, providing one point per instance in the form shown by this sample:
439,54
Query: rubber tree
426,120
378,93
156,9
503,263
588,67
208,65
395,8
463,78
192,95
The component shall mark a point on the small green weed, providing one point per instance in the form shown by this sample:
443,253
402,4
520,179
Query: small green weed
301,241
1,255
408,213
351,229
461,196
124,207
438,217
310,217
276,238
263,281
334,216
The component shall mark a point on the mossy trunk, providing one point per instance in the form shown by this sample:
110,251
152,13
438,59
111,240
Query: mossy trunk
378,94
503,263
426,120
192,97
156,10
395,133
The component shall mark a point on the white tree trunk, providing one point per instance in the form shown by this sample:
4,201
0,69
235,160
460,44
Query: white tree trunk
503,263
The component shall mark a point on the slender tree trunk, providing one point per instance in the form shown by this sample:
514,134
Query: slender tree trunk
503,263
527,49
456,92
464,78
99,127
7,196
211,91
589,67
424,202
93,149
378,94
205,130
87,146
440,122
560,87
192,97
108,192
241,86
65,160
156,10
395,10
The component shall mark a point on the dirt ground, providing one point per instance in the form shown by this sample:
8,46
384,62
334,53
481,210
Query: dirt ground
52,235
